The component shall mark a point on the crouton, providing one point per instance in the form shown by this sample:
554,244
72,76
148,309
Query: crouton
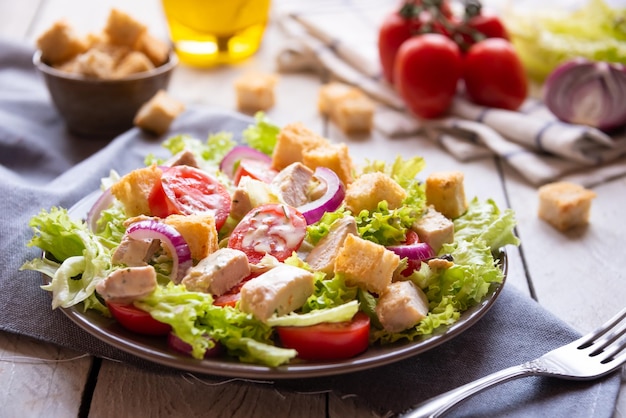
434,229
366,264
95,64
354,115
60,43
132,63
293,139
367,190
158,113
445,191
255,92
333,156
565,205
134,188
122,29
331,94
199,232
155,49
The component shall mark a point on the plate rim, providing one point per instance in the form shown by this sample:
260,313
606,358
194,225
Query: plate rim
154,349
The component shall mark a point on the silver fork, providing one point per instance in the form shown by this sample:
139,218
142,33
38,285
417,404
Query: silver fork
589,357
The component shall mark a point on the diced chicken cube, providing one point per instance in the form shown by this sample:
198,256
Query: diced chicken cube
135,252
292,184
435,229
322,256
184,157
128,284
218,273
401,306
280,290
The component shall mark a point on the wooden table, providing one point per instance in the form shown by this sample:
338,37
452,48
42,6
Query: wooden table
578,276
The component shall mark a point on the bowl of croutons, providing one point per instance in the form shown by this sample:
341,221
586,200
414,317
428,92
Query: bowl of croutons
99,81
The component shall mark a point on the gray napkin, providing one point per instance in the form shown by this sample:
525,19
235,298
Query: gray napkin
43,166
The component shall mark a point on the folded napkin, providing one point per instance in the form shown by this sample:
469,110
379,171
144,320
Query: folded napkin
339,39
42,166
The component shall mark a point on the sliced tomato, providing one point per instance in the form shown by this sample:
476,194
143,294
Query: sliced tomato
328,341
188,190
136,320
228,299
275,229
256,169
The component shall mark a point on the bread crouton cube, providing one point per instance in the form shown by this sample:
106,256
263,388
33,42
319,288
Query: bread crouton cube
293,139
565,205
446,192
255,92
158,113
366,264
132,63
60,43
331,94
122,29
354,115
367,190
94,63
134,188
199,232
155,49
434,229
333,156
402,305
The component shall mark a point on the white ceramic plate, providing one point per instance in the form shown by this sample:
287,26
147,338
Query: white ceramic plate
155,348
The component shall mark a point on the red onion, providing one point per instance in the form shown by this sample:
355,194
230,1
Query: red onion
171,238
418,251
329,202
588,93
103,202
181,346
229,163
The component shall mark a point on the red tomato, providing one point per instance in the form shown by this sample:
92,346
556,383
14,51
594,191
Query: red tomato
258,170
489,25
274,229
136,320
187,190
231,297
494,75
328,341
427,70
411,237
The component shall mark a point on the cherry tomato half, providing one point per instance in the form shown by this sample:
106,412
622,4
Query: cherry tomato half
187,190
274,229
328,341
136,320
256,169
427,70
494,75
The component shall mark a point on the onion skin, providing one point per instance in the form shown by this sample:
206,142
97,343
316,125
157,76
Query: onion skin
229,163
329,202
171,238
174,342
418,251
587,92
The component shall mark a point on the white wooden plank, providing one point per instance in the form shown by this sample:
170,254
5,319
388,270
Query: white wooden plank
124,390
40,379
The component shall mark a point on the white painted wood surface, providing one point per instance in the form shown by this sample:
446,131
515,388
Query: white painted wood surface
579,276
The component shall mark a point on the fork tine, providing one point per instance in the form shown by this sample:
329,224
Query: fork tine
589,339
608,341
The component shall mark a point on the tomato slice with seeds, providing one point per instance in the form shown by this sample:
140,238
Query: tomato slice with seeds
256,169
275,229
188,190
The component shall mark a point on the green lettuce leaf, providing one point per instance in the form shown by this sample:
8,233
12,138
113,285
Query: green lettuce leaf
485,221
261,136
385,226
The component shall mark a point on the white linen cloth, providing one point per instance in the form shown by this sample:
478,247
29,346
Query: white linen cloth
340,38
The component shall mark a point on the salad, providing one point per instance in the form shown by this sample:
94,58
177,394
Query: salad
276,249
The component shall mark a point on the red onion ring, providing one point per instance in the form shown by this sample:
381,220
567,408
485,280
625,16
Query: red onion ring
229,163
174,342
103,202
418,251
171,238
329,202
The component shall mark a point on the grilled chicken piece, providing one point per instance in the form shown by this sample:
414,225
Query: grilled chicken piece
135,252
434,229
280,290
128,284
292,184
322,256
401,306
218,273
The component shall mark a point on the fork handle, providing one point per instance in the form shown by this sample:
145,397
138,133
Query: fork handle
438,405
